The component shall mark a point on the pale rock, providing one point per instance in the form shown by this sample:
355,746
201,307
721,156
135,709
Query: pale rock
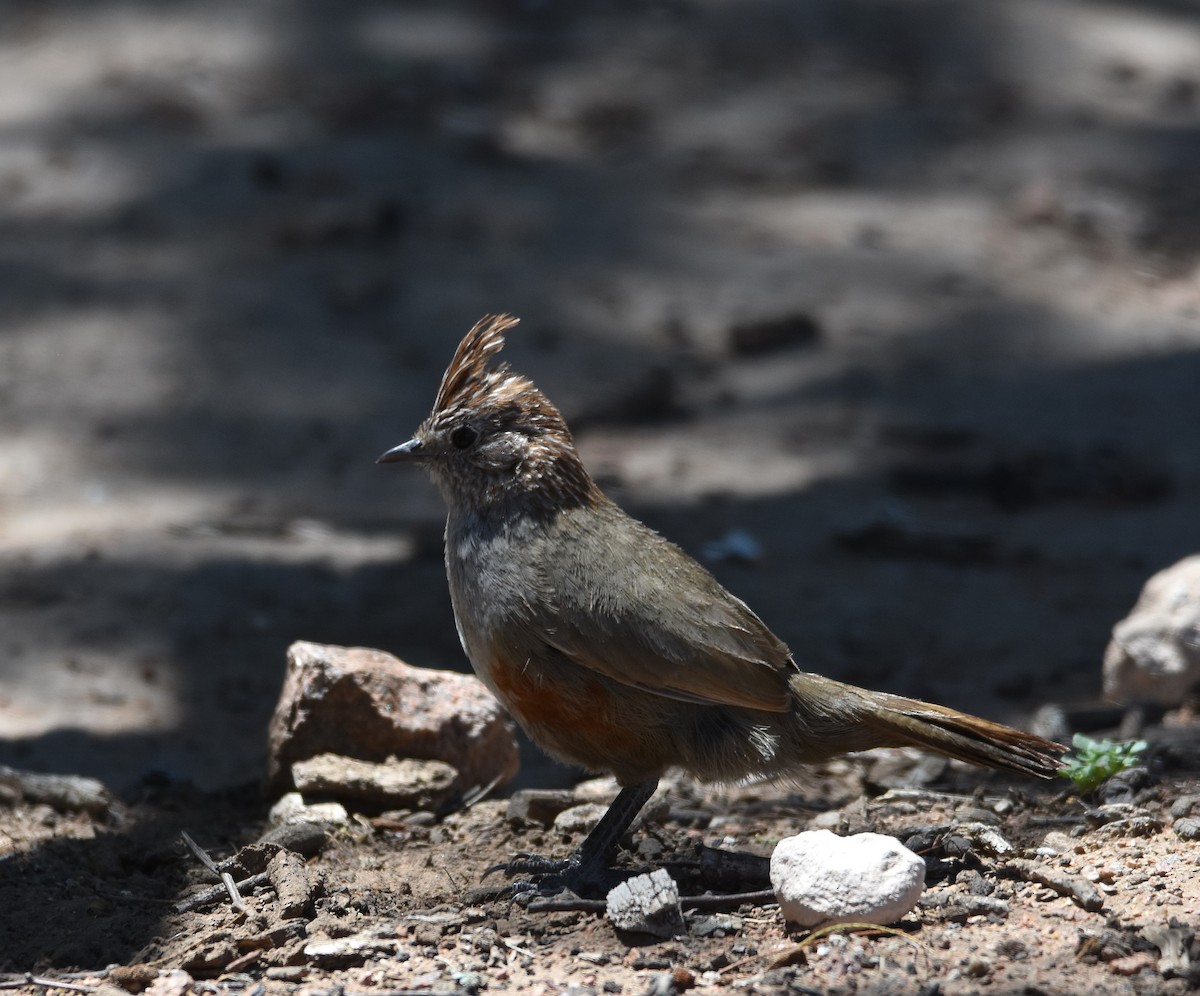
819,877
579,819
370,705
538,805
1154,653
176,982
396,783
341,952
293,809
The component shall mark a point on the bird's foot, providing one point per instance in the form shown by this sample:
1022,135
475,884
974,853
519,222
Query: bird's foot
586,872
536,865
542,877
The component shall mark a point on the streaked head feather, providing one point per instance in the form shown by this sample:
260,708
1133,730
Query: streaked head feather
467,378
492,395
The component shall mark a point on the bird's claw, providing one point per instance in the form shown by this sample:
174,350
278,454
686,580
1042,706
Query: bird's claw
549,876
534,864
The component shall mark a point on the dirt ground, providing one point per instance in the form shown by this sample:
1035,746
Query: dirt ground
902,294
1090,898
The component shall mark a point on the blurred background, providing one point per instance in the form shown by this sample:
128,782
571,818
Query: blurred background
888,308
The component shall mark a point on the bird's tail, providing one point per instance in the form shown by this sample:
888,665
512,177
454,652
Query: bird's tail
885,720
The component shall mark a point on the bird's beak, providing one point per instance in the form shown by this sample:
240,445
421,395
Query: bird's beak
408,452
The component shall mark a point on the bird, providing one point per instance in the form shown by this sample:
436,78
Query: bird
614,649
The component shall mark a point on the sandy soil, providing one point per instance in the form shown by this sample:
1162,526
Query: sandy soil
907,291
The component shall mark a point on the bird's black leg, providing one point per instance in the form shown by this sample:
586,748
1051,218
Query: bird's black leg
586,870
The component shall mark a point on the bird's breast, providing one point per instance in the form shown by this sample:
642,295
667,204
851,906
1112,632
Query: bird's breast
489,588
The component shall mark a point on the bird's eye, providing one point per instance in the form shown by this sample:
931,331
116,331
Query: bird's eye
463,436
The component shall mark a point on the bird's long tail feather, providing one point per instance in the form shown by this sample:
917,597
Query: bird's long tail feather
892,720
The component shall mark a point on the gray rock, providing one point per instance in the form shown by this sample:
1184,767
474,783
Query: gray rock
395,782
370,705
717,925
66,793
647,904
306,839
969,904
1184,805
1187,828
1154,654
819,877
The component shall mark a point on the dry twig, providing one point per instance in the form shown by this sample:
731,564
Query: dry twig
38,980
217,891
1074,887
230,886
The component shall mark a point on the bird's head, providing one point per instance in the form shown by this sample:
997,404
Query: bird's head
493,439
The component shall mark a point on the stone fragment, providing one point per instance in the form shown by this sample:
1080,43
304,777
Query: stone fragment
288,973
647,904
1187,828
1133,964
293,809
717,925
341,952
393,783
971,905
135,978
66,793
1154,653
251,859
1074,887
538,805
307,839
279,934
579,819
819,877
1173,944
987,839
295,886
370,705
176,982
1183,805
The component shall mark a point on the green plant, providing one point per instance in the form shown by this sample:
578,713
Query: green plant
1093,761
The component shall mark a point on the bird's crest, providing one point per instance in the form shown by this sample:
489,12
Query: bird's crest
467,378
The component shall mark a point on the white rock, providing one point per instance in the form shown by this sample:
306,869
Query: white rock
819,877
1154,654
292,808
